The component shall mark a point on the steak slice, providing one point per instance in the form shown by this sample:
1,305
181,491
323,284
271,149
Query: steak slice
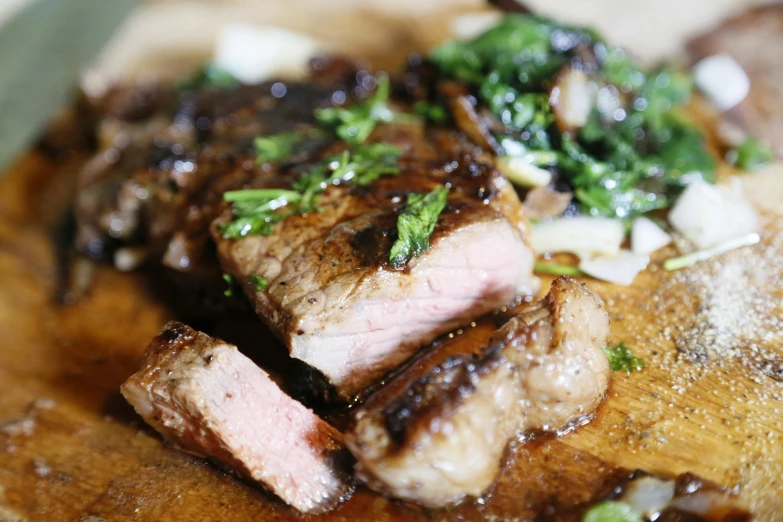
755,40
333,297
208,399
438,430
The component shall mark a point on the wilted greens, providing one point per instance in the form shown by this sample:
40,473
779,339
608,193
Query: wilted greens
636,150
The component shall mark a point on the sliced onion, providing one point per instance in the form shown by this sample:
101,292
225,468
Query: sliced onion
470,25
708,214
543,202
571,99
253,54
591,235
647,237
649,495
127,259
520,171
620,269
722,80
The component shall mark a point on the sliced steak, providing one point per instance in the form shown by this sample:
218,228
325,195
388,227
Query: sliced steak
166,160
333,296
438,430
755,39
208,399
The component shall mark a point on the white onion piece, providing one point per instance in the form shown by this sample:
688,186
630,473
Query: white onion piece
708,214
571,100
591,235
620,269
647,237
128,259
649,495
523,173
470,25
722,79
254,54
703,503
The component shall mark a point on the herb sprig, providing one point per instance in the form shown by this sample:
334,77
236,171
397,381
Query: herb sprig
354,124
257,211
276,147
415,225
622,358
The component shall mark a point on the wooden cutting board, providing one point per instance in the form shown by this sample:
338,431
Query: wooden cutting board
71,449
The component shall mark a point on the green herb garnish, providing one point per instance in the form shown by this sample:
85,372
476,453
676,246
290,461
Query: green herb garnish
354,124
228,292
677,263
621,358
259,283
430,111
257,211
209,75
750,155
558,269
276,147
612,511
415,225
636,151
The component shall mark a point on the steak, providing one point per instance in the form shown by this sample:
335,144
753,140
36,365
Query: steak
333,297
208,399
438,430
755,40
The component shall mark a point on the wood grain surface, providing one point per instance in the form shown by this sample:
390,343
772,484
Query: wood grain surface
71,449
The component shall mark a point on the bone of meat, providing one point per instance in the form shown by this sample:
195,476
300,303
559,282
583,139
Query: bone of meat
438,431
208,399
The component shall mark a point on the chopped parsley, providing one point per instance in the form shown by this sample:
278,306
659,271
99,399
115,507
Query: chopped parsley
354,124
259,283
557,269
636,151
750,155
257,211
228,292
209,75
431,111
415,225
276,147
612,511
621,358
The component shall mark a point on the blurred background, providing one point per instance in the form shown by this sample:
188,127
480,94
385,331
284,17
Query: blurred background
48,46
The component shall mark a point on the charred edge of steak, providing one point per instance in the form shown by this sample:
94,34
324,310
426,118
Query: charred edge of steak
439,392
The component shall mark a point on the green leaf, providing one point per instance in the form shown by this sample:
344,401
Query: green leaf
621,358
415,225
209,75
276,147
557,269
228,292
259,283
750,155
431,111
354,124
612,511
